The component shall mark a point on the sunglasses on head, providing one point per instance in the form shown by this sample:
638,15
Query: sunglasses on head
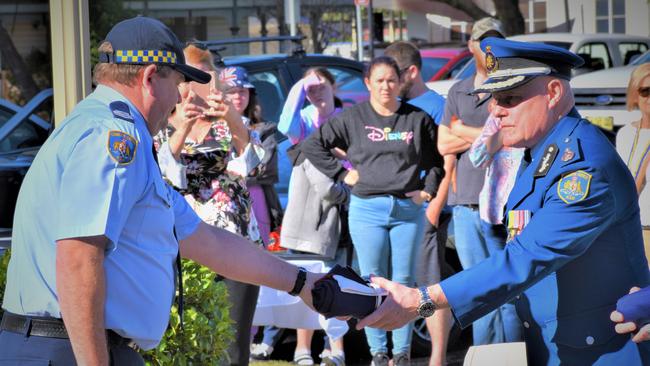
644,91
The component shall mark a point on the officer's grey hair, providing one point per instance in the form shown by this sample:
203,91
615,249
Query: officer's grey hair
121,73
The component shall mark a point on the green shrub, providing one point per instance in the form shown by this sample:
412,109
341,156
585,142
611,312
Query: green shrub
208,327
4,262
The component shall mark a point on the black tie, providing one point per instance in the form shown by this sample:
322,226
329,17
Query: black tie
179,267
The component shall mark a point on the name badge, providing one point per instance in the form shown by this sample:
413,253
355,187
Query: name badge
517,221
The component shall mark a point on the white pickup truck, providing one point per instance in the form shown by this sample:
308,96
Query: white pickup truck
601,95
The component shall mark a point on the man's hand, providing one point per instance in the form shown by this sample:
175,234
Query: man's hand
351,178
398,309
418,196
623,327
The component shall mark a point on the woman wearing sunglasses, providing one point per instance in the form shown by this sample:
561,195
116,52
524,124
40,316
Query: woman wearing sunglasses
633,143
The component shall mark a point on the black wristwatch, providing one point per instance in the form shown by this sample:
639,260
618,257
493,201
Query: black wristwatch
300,282
426,307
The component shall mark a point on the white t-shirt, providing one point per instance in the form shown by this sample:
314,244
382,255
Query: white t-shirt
633,144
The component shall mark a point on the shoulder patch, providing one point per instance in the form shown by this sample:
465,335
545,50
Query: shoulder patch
547,160
574,187
121,110
121,147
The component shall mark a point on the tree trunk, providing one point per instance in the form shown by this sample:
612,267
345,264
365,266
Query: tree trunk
12,60
314,25
510,15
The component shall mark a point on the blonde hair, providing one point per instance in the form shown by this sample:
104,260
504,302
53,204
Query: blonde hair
640,73
125,74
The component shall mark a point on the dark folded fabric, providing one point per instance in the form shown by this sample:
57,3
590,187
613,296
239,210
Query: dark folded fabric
330,301
635,307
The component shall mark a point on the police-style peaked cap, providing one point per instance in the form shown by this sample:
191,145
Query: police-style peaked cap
143,41
512,63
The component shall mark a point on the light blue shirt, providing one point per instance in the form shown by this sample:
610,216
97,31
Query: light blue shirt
77,187
432,103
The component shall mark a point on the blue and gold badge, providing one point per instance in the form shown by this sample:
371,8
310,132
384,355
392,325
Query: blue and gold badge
121,147
491,63
574,187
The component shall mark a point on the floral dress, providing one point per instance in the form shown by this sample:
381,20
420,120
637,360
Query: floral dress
213,178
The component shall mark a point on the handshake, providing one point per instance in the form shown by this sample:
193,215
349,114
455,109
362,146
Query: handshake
342,292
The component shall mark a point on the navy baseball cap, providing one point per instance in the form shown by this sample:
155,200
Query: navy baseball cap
235,76
512,63
143,41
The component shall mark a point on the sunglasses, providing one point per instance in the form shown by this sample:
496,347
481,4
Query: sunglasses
644,91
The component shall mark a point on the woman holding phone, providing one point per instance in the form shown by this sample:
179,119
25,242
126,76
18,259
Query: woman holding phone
206,154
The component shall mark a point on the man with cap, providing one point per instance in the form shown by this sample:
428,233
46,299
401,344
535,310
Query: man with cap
97,232
462,123
574,245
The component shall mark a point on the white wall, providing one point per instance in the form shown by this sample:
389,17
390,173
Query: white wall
637,17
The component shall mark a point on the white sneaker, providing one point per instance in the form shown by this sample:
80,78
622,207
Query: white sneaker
261,352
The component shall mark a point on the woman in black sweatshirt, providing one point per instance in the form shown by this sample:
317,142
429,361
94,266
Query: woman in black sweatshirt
392,146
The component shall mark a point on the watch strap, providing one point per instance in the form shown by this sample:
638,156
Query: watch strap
301,278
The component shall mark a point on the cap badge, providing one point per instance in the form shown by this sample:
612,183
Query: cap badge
491,62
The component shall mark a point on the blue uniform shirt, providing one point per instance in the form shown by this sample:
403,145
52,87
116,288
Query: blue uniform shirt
432,103
574,249
96,175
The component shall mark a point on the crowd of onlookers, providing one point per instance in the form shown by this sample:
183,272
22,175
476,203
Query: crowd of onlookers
385,176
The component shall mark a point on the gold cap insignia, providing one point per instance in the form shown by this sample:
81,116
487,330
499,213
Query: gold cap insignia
491,62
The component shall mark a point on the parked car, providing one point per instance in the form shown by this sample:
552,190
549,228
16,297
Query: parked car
443,63
22,132
600,95
600,50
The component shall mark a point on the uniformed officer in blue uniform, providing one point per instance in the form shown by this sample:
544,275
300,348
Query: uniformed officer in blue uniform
96,231
575,242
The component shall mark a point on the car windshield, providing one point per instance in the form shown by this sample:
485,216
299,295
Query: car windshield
643,59
468,70
431,65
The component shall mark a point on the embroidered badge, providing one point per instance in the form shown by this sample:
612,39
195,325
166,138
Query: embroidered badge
121,110
574,187
547,160
568,154
517,221
491,62
121,147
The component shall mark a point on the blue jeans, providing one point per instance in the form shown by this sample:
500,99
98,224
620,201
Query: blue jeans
511,328
474,244
386,232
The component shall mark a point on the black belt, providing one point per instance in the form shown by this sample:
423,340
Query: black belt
51,328
470,206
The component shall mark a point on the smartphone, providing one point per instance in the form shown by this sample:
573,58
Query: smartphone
203,90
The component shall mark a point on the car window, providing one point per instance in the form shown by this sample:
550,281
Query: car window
456,68
629,50
431,65
645,58
269,94
350,87
27,134
468,70
596,56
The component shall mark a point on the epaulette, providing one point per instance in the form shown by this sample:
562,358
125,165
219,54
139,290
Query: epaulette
121,110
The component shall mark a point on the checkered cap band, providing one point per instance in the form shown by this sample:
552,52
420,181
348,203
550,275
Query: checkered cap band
144,56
